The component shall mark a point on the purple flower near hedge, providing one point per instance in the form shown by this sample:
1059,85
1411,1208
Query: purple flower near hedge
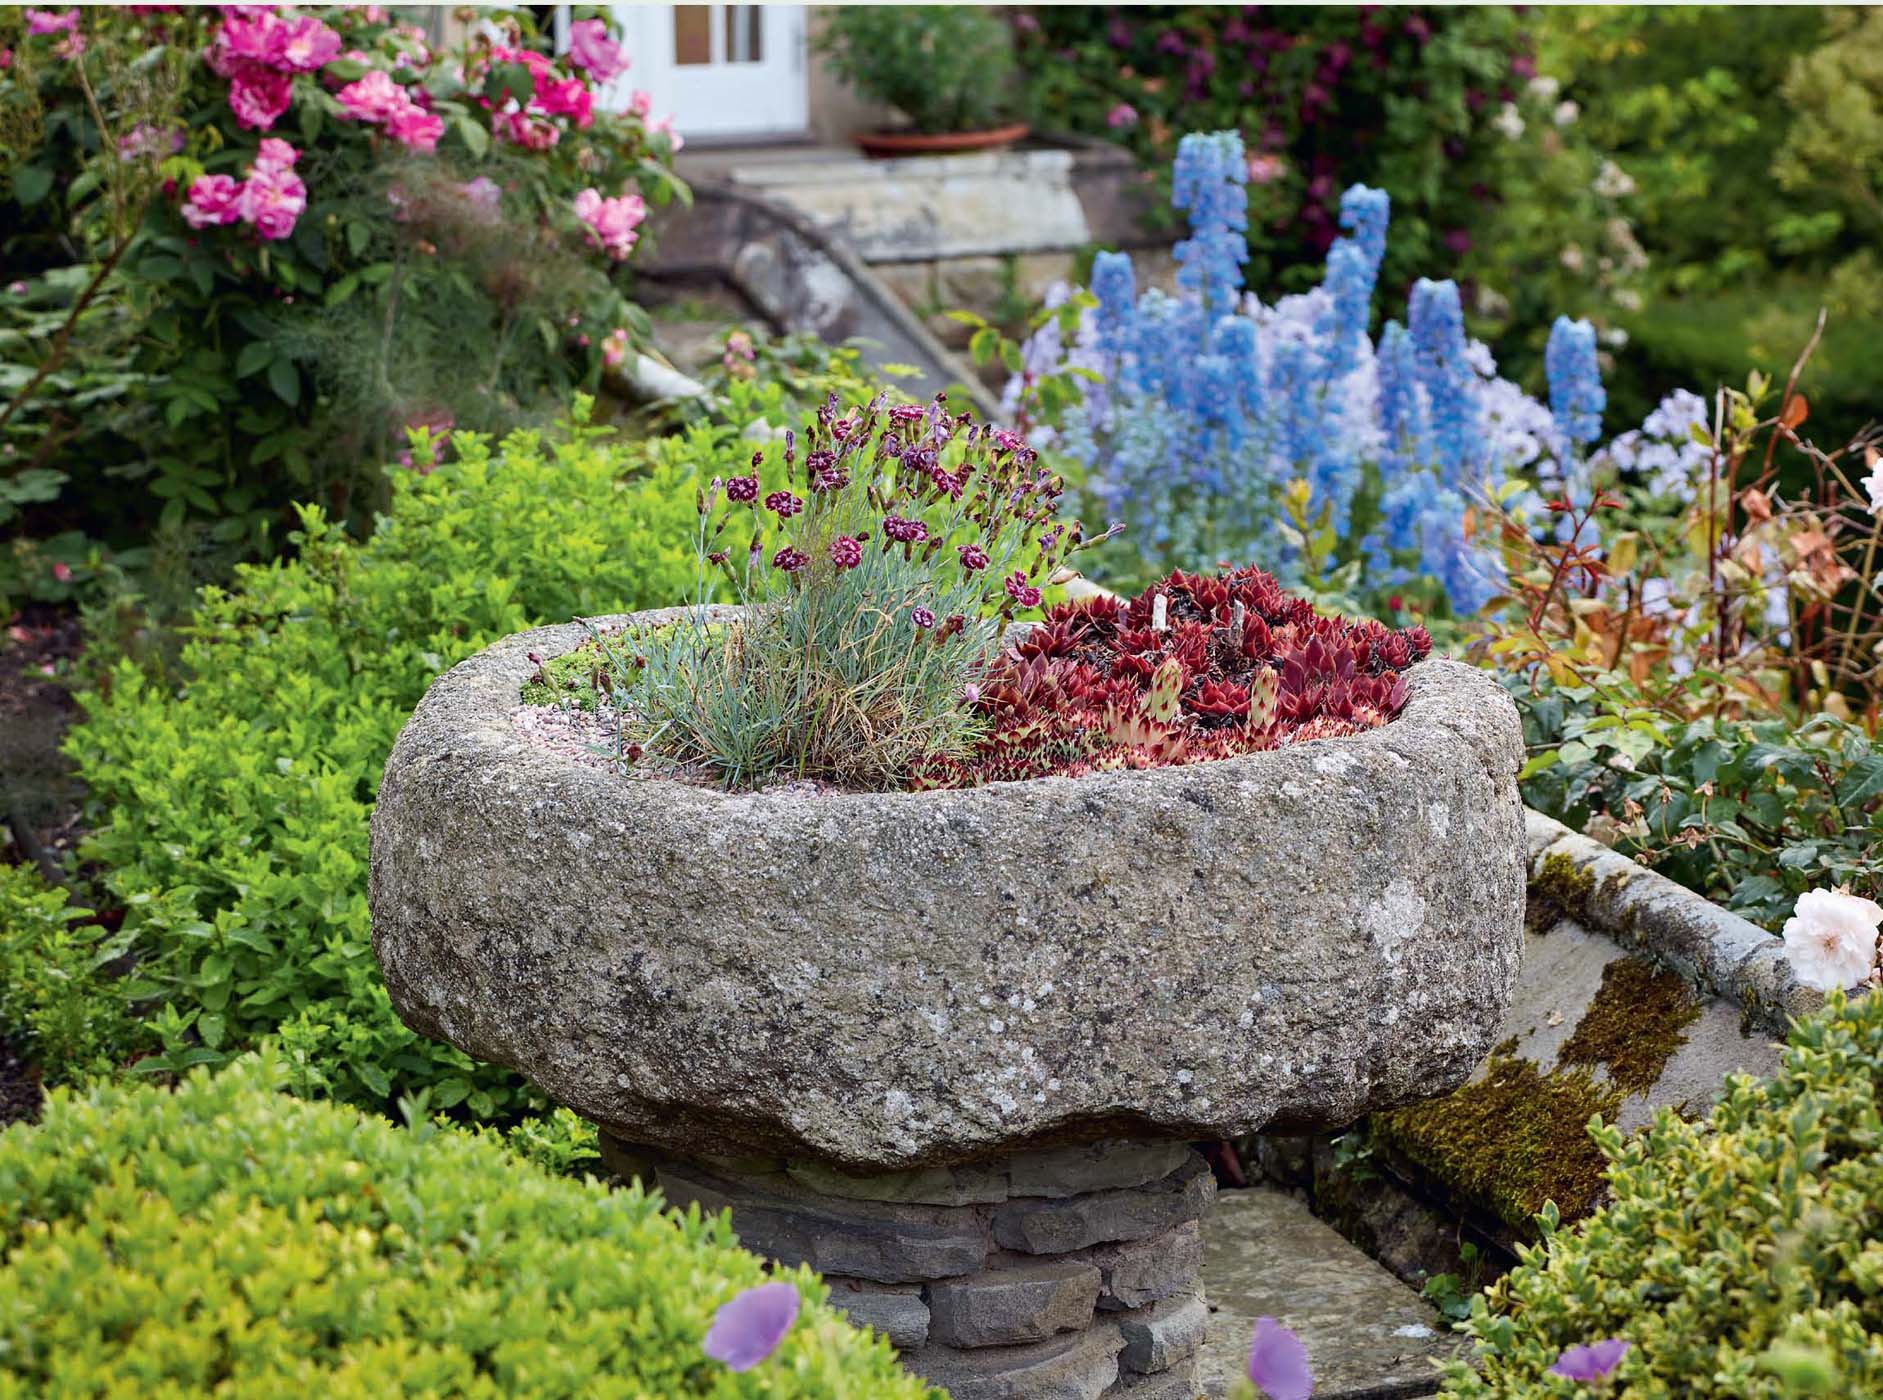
749,1328
1278,1362
1592,1362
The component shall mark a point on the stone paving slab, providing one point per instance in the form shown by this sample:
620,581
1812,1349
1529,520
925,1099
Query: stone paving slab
1369,1337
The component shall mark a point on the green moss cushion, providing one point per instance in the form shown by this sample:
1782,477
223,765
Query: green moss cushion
229,1239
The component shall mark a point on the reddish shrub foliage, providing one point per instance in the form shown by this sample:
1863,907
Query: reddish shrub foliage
1234,665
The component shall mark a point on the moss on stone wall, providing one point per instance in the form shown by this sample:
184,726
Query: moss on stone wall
1511,1139
1638,1019
1560,889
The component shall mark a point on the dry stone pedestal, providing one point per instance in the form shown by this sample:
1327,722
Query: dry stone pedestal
946,1046
1062,1274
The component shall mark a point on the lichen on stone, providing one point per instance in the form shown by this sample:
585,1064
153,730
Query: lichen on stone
1512,1139
1638,1019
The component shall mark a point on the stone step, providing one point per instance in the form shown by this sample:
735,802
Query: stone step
1369,1336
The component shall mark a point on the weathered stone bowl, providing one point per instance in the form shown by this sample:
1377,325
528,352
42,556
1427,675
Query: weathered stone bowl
885,981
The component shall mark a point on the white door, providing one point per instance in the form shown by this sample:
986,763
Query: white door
721,70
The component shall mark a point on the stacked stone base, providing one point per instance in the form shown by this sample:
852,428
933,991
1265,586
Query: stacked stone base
1065,1274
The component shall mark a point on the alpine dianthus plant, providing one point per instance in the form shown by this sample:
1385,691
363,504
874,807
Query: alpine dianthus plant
1210,418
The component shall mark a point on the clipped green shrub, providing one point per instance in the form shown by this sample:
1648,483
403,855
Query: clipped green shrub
1741,1254
230,812
51,991
228,1238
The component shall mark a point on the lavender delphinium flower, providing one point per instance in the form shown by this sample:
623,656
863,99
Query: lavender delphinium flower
750,1327
1576,394
1437,325
1592,1362
1209,410
1211,182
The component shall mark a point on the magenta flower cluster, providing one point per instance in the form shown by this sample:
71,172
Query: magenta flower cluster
379,101
270,200
259,51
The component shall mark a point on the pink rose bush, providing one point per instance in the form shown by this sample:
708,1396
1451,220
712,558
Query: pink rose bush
264,199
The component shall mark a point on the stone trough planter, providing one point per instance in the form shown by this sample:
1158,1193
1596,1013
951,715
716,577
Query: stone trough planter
949,1045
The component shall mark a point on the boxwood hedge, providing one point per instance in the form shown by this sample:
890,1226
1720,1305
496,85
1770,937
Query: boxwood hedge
230,808
1741,1254
228,1238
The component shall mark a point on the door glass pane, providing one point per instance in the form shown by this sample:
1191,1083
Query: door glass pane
692,35
744,36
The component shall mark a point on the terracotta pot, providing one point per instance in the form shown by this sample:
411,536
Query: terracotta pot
882,144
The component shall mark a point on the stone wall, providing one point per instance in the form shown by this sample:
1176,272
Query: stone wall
1066,1274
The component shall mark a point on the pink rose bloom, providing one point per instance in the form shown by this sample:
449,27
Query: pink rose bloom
611,222
641,103
415,128
615,348
243,43
1124,114
304,44
521,129
259,97
568,98
6,57
373,98
663,126
212,200
275,154
46,22
272,200
591,48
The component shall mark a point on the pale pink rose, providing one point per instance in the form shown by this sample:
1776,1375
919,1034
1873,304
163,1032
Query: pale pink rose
62,572
1831,937
275,154
302,45
259,98
145,140
1123,115
373,98
611,222
664,126
272,200
591,48
212,200
641,103
615,347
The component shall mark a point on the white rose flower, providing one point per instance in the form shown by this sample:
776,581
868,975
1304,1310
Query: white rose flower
1873,483
1830,939
1509,121
1544,88
1566,113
